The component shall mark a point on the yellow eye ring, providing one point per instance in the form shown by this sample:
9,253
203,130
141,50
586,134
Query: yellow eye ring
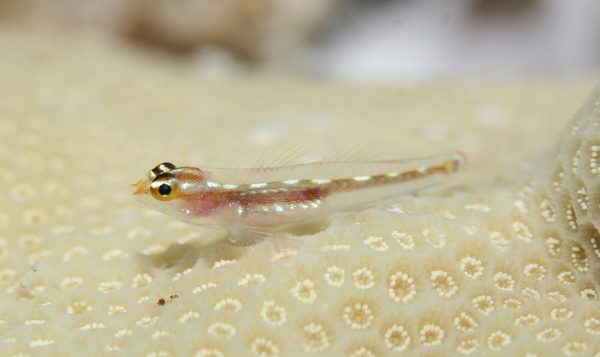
164,187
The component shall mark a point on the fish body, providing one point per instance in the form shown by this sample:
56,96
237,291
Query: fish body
270,197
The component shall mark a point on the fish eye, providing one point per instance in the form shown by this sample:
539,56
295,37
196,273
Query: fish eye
160,169
164,187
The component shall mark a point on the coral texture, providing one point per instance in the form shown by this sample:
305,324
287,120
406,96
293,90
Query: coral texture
510,266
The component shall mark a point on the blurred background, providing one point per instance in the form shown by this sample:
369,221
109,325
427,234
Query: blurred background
358,40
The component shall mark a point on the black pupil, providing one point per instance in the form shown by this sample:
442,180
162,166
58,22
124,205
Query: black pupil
164,189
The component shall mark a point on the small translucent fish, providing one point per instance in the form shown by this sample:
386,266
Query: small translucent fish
245,201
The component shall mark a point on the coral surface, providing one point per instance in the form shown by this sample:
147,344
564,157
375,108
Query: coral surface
502,261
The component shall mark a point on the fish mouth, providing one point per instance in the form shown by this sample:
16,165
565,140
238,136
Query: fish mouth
143,187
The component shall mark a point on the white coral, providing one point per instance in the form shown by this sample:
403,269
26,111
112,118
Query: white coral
77,254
